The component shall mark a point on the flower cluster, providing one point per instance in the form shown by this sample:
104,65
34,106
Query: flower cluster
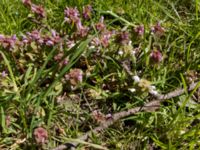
38,37
72,16
139,30
8,42
122,38
59,58
87,12
144,85
75,76
105,37
48,40
100,26
158,29
156,56
40,135
36,9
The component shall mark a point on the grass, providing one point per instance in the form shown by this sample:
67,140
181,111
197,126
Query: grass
39,91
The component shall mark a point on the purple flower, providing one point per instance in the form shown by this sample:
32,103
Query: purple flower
105,38
100,26
40,41
123,37
105,41
1,37
55,36
71,15
53,33
53,39
139,30
49,42
25,40
81,30
79,25
26,2
71,12
65,61
75,76
87,11
156,56
14,37
39,10
8,42
70,43
40,135
95,41
59,56
4,74
158,30
34,35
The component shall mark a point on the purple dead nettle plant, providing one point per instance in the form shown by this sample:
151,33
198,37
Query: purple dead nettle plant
25,40
75,76
59,57
70,43
71,15
100,26
105,37
48,41
40,135
53,39
35,35
27,2
8,42
157,29
36,9
95,42
81,30
156,56
139,30
122,38
87,12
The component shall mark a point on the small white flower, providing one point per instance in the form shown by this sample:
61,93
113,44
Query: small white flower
130,43
182,132
133,52
136,79
132,90
154,92
153,87
120,52
92,47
